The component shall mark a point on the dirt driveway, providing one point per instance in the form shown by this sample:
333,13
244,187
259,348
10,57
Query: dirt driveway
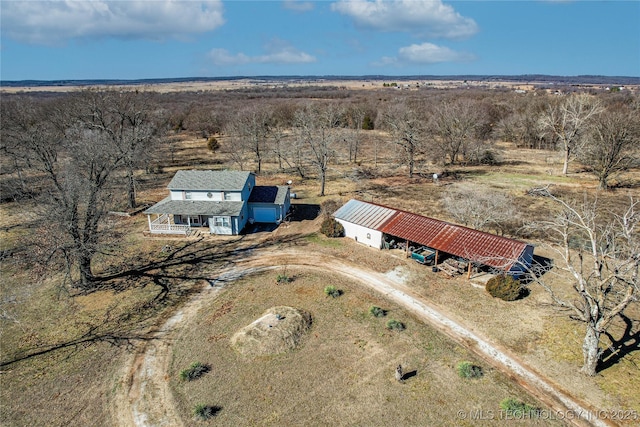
144,397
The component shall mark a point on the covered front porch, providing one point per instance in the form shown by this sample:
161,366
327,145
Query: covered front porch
187,216
165,224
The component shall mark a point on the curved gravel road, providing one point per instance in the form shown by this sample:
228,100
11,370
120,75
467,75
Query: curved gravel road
144,398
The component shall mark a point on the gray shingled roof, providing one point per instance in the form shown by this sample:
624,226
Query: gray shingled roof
209,180
196,207
276,194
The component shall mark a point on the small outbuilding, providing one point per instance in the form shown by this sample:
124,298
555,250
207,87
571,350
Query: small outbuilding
363,221
374,224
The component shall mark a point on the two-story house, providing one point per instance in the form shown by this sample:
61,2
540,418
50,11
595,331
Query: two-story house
223,201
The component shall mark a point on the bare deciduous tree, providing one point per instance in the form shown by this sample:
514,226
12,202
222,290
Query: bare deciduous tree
355,115
568,121
235,147
480,208
613,144
24,130
600,253
407,130
75,168
315,128
454,124
250,128
126,119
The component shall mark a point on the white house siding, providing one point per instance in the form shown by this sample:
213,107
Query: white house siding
361,234
211,196
219,229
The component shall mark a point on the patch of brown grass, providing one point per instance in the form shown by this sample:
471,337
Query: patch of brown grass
342,372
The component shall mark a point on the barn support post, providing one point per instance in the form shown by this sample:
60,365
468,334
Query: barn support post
436,260
406,250
469,270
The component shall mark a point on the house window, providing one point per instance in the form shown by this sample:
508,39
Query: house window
209,195
227,196
368,235
187,195
222,221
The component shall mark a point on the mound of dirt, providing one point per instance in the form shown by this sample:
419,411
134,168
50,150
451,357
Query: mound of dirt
278,330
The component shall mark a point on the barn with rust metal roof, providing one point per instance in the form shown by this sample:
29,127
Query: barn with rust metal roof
361,219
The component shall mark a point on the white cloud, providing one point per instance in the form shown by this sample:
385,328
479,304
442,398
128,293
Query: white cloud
427,18
278,52
429,53
224,57
425,53
298,5
53,22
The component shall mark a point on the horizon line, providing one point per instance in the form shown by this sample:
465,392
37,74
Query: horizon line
62,82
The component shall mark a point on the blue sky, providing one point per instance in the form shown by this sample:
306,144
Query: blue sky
55,40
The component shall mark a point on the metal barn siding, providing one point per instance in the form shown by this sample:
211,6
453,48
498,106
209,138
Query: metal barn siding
364,214
474,245
360,218
362,221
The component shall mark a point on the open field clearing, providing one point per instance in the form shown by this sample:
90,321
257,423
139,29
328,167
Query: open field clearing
342,372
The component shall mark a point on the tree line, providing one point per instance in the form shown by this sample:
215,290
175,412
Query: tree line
85,148
433,127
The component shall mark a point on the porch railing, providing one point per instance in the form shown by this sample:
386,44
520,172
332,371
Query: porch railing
162,225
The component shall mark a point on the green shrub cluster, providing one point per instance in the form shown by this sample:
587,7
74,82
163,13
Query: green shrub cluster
204,412
376,311
212,144
368,123
195,371
283,278
518,409
505,287
331,228
332,291
469,370
395,325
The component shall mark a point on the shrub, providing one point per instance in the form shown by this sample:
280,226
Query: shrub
395,325
332,291
367,122
469,370
213,145
283,278
195,371
489,157
377,311
505,287
204,412
518,409
331,228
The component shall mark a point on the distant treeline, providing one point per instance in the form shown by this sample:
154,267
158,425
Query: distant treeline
526,78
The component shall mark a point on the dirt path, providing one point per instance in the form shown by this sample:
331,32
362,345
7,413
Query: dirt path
145,398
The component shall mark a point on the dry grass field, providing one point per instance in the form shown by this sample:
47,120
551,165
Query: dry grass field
62,354
341,374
